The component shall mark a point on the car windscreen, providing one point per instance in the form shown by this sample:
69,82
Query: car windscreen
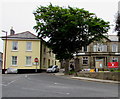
50,66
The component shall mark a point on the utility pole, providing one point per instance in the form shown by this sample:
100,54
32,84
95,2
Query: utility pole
5,52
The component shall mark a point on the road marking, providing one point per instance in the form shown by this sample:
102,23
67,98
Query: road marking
58,83
3,85
67,93
26,75
62,93
10,82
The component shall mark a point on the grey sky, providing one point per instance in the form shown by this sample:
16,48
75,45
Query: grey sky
18,13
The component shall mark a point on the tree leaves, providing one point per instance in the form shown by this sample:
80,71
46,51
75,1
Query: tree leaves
68,28
117,27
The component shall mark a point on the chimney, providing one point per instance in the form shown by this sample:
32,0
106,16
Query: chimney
12,32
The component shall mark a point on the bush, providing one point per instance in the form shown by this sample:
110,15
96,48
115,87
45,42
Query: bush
112,70
71,72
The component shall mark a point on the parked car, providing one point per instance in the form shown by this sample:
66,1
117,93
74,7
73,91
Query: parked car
53,69
11,70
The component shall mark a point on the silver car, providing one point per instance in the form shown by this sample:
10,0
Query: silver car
52,69
11,70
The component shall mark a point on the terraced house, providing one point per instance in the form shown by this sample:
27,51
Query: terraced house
23,48
98,54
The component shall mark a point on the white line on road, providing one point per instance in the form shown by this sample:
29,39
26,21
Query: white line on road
3,85
58,83
10,82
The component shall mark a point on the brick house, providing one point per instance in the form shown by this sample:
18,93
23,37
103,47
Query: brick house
98,54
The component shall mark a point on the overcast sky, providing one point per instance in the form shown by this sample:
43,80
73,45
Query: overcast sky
19,13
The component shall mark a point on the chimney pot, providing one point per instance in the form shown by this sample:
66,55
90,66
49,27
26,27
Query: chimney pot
12,32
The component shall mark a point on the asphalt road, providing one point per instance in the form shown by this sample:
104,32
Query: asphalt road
48,85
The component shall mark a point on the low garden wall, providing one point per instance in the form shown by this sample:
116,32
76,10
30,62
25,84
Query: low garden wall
101,75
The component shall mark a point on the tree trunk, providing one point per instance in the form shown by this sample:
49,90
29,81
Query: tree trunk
66,66
77,66
62,64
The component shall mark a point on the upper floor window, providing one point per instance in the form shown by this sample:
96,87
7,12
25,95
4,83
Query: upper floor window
114,59
14,60
29,46
84,49
50,53
100,48
44,49
114,48
14,45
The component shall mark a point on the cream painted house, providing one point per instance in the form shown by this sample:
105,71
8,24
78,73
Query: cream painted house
23,48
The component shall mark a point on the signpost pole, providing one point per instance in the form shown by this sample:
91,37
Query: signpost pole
36,68
36,61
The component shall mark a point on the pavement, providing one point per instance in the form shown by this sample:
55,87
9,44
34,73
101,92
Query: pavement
88,79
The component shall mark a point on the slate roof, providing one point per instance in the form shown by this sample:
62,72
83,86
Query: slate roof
23,35
29,35
113,37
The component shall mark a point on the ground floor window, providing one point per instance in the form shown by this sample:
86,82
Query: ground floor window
114,59
48,62
14,60
44,61
28,60
85,60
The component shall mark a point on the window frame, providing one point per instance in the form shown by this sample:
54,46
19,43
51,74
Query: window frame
85,47
85,60
30,64
14,61
27,46
116,47
100,48
14,45
114,58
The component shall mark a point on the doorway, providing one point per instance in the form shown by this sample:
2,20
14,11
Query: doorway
99,63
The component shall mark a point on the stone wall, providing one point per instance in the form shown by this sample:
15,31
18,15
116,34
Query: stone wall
101,75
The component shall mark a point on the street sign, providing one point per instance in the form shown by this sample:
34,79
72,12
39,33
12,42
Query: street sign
36,60
112,64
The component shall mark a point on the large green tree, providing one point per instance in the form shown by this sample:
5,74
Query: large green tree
117,27
68,29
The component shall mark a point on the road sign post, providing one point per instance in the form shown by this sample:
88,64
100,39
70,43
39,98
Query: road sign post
36,61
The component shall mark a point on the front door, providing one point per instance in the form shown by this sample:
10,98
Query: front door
99,63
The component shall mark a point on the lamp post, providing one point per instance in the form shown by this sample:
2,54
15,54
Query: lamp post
5,51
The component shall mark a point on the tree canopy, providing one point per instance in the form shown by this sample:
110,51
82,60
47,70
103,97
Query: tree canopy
117,27
68,29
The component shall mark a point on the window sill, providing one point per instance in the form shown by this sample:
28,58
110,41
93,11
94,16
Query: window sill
28,50
14,65
28,65
14,50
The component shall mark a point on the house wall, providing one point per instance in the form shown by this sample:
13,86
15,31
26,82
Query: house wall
48,58
94,56
22,53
